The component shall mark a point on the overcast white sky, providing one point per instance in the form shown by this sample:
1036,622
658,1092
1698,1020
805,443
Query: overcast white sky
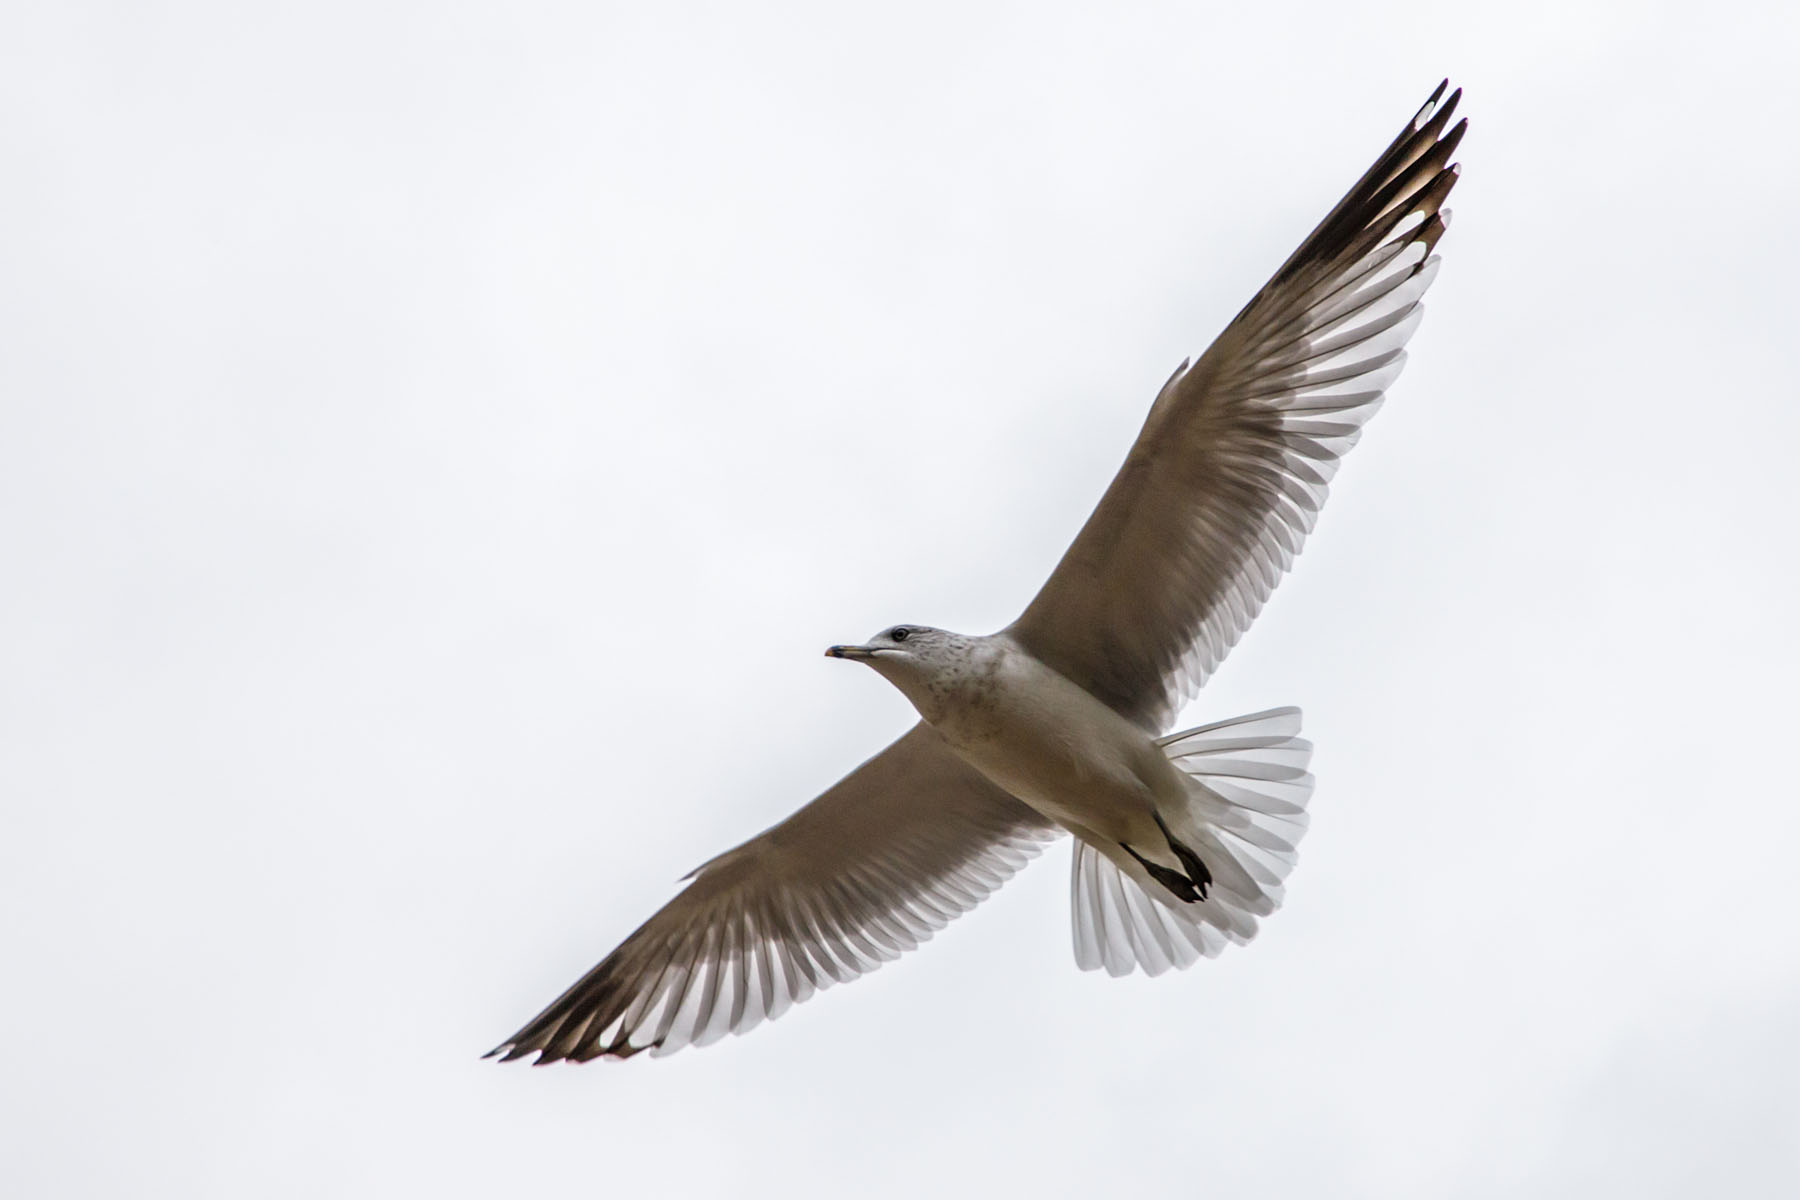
437,441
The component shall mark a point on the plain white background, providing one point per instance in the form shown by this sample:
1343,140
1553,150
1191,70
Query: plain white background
436,442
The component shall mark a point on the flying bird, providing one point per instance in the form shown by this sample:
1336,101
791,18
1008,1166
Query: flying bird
1056,724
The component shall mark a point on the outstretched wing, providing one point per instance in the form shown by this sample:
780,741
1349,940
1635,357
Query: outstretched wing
898,848
1224,481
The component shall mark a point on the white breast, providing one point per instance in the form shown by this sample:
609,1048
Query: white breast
1054,746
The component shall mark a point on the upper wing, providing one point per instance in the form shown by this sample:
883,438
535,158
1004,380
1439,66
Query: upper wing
889,855
1231,467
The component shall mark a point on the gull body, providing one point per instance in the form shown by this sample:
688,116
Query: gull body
1055,725
1039,735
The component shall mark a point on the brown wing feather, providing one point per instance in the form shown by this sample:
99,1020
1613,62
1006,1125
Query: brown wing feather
1223,482
893,852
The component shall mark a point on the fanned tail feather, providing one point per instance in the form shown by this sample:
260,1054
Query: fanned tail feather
1247,793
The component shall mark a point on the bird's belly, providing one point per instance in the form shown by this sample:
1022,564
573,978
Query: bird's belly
1077,772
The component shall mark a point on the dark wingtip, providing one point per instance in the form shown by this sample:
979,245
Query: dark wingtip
1438,108
508,1052
1429,109
511,1052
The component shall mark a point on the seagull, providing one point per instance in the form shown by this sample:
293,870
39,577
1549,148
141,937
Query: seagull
1056,724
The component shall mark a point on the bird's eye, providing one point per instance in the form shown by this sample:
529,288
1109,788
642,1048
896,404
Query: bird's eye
900,633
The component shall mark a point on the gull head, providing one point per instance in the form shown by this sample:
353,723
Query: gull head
919,660
915,644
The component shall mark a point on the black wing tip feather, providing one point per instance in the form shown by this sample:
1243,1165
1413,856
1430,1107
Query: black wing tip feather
1429,109
1414,165
521,1046
1421,151
548,1035
512,1051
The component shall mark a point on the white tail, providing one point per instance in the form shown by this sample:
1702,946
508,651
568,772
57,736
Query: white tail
1247,792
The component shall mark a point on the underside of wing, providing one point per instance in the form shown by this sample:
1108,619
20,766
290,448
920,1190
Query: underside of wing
897,849
1226,478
